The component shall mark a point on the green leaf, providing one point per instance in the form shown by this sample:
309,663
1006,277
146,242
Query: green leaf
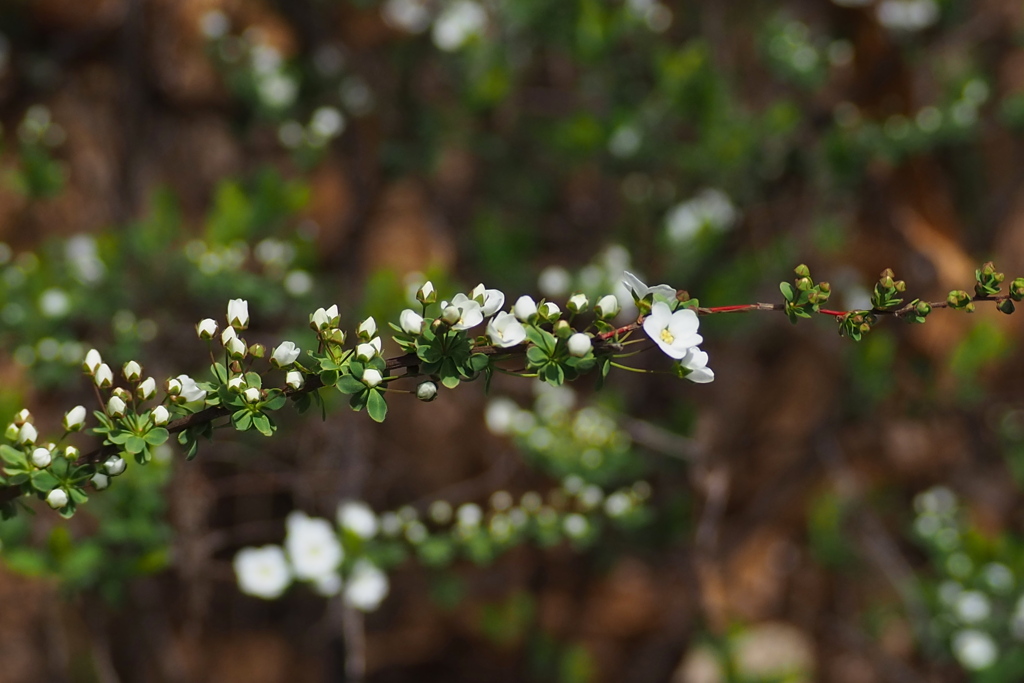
347,384
43,481
478,361
541,338
358,401
13,456
376,406
787,291
242,419
450,381
275,403
156,436
135,444
220,372
329,377
429,353
264,425
536,356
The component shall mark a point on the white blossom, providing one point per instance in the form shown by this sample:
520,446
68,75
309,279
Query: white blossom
262,572
160,416
27,434
674,332
505,331
411,321
640,290
57,498
367,329
357,517
578,302
104,376
206,328
426,293
285,354
312,546
132,371
550,310
457,23
100,481
490,300
696,362
366,587
525,308
469,312
74,419
607,306
190,391
115,465
41,457
579,344
294,379
116,406
372,377
252,395
92,361
974,649
236,348
365,352
238,313
147,389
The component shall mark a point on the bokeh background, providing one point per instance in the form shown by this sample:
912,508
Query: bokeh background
824,511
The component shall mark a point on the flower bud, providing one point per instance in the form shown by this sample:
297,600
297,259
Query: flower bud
372,377
114,465
100,481
578,302
122,394
173,386
11,433
549,311
92,361
365,352
802,270
147,389
525,308
104,376
206,328
284,355
116,406
1006,306
22,416
579,345
41,457
562,329
227,335
451,315
336,336
57,498
607,306
252,395
27,434
74,419
294,379
426,294
411,321
160,416
319,320
238,313
236,348
367,329
71,453
426,391
236,384
257,350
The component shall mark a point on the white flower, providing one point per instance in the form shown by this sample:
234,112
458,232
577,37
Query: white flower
696,361
312,546
27,434
972,607
92,361
366,587
457,23
575,525
71,453
104,376
132,371
365,352
262,572
327,585
294,379
367,328
554,281
116,406
500,414
641,291
57,498
22,416
426,391
190,391
578,302
579,345
147,389
470,313
100,481
525,308
469,515
236,348
490,300
227,335
206,328
41,457
236,384
252,395
974,649
907,15
115,465
550,310
285,354
357,517
160,416
411,321
675,332
607,306
321,318
74,419
238,313
372,377
426,293
505,331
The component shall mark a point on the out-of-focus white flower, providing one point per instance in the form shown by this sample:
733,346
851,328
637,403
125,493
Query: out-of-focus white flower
505,331
575,525
206,328
100,481
500,414
579,344
285,354
554,281
710,209
411,321
457,23
411,16
974,649
57,498
190,391
372,377
357,517
262,572
525,308
74,419
294,379
238,313
972,607
675,332
312,546
907,15
366,587
54,303
160,416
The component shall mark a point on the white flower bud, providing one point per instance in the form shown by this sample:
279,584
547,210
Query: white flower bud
189,390
372,377
319,320
74,419
114,465
227,335
238,313
365,352
579,345
57,498
236,348
451,315
550,310
11,434
71,453
27,434
426,293
116,406
206,328
22,416
160,416
367,329
607,306
525,308
426,391
578,302
132,371
41,457
285,354
92,361
294,379
332,313
236,384
252,395
147,389
173,386
411,321
100,481
104,376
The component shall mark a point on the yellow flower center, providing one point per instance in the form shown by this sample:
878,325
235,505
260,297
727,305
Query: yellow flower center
667,337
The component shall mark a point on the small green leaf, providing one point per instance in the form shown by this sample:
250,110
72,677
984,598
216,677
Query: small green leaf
478,361
376,406
264,425
242,419
156,436
787,291
329,377
347,384
43,481
135,444
13,456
